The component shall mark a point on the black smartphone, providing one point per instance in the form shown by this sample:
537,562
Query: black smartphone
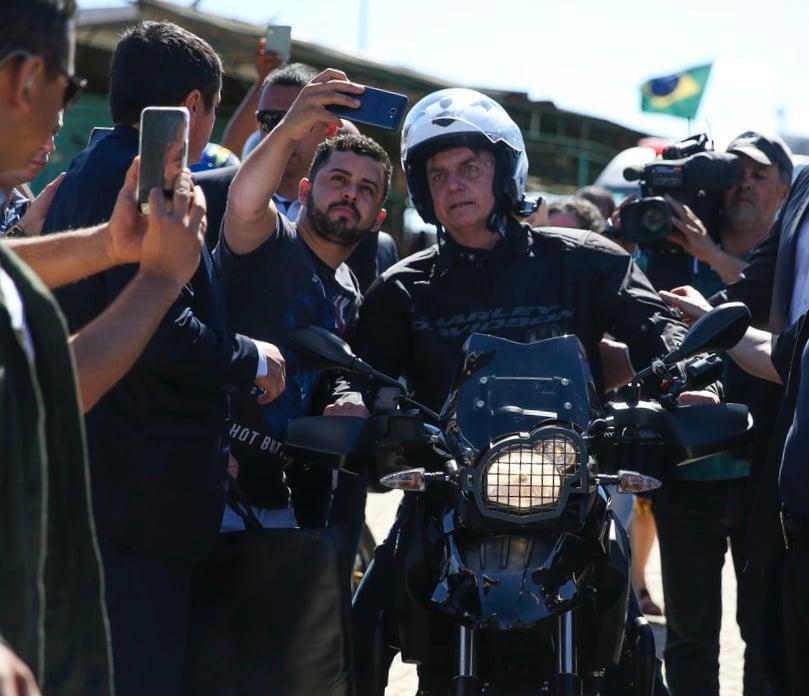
163,150
378,107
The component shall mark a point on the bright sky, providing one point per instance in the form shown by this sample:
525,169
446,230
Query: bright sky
588,56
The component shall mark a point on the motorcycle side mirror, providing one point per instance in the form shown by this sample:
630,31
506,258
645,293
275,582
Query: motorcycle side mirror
720,329
320,348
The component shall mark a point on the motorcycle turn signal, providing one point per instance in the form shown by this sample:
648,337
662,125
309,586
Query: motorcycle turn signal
629,481
411,479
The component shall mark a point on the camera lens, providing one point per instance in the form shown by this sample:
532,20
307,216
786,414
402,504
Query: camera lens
653,219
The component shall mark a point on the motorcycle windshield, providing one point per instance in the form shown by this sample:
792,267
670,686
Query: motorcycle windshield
506,387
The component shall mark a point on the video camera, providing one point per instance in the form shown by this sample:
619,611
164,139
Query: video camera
688,171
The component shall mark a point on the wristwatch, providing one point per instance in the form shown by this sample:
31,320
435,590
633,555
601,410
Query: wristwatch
16,230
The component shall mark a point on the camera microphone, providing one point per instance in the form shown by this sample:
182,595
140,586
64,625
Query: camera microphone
633,173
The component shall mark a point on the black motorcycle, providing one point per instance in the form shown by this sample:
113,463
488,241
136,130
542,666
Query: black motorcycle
512,575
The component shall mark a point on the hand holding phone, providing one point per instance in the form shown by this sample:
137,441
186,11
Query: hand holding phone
378,107
163,150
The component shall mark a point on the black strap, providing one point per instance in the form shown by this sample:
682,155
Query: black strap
238,502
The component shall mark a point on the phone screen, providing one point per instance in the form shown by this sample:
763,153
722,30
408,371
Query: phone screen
163,150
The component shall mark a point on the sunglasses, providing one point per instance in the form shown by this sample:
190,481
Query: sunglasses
73,89
75,84
269,119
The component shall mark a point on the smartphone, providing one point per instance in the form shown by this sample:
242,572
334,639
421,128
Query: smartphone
378,107
163,150
279,40
97,133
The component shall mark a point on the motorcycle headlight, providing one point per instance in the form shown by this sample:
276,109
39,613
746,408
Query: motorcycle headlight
523,476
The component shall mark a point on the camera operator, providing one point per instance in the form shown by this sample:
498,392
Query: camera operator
747,210
708,502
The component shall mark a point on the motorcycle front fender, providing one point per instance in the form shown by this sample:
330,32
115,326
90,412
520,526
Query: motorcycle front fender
506,582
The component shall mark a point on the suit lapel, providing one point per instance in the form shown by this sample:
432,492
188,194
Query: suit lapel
793,215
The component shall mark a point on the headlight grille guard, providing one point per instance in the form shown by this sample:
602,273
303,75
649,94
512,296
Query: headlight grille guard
528,477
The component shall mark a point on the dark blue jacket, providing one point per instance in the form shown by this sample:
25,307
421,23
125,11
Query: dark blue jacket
766,288
215,184
158,439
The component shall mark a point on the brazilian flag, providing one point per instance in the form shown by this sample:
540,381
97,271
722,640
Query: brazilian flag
676,95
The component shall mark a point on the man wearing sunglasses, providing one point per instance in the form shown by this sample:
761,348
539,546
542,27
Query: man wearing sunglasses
51,608
279,90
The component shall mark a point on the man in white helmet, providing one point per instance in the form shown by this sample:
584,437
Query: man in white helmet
466,168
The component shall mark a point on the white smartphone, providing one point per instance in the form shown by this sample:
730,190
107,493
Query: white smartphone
163,150
279,40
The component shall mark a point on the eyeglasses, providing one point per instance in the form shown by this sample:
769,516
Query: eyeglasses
269,119
75,84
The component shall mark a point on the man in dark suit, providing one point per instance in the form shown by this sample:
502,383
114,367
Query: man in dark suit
158,440
774,287
777,278
783,359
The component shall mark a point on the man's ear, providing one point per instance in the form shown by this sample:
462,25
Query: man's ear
785,190
194,102
24,82
379,220
303,191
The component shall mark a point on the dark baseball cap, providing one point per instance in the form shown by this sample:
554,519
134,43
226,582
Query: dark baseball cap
764,149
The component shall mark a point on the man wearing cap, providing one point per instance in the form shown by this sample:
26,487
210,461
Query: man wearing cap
748,207
707,503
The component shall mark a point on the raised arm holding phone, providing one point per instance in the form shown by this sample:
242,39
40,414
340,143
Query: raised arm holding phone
298,267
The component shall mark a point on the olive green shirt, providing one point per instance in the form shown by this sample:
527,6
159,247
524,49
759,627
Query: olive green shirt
51,602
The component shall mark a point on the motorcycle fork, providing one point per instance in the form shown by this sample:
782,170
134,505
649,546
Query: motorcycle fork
566,681
466,682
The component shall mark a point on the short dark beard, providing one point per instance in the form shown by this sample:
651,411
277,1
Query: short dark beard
336,231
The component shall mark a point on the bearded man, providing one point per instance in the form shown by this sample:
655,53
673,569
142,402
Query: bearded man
280,275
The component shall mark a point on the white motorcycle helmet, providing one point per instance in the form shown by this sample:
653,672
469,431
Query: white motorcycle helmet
459,117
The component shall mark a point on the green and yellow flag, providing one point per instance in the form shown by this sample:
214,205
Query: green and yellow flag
676,95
